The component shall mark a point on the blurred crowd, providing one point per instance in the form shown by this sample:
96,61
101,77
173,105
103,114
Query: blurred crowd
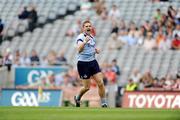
146,81
70,78
162,32
22,58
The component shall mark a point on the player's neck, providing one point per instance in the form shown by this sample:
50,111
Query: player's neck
87,33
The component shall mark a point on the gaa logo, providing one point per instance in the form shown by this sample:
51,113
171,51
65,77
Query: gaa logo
27,99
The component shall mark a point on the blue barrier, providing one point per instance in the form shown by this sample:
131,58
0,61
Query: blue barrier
31,97
29,75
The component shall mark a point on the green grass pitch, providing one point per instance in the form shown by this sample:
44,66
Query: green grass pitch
72,113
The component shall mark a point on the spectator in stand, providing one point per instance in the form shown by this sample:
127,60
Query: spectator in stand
169,82
160,38
17,54
177,17
171,12
139,36
131,86
104,13
160,24
132,29
33,18
169,26
155,84
143,30
114,14
158,15
122,25
8,58
44,61
162,82
115,67
147,26
169,38
164,19
176,30
16,61
1,31
135,76
24,59
149,42
147,79
141,85
123,37
52,57
114,43
34,58
100,9
110,75
133,33
155,26
176,43
61,59
24,13
176,86
75,29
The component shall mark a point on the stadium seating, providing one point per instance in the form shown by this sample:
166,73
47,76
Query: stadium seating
52,35
47,10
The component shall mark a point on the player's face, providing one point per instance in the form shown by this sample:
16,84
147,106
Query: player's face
87,28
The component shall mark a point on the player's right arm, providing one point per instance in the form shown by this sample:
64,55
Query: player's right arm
81,43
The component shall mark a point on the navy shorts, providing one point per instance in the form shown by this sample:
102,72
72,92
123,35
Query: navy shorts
87,69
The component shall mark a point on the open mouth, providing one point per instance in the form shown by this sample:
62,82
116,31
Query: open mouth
88,30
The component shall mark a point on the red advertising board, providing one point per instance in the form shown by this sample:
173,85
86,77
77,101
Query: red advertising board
151,99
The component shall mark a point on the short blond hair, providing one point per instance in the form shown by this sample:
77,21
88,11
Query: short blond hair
87,21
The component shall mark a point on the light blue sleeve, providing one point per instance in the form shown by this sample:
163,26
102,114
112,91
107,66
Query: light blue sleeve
79,38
